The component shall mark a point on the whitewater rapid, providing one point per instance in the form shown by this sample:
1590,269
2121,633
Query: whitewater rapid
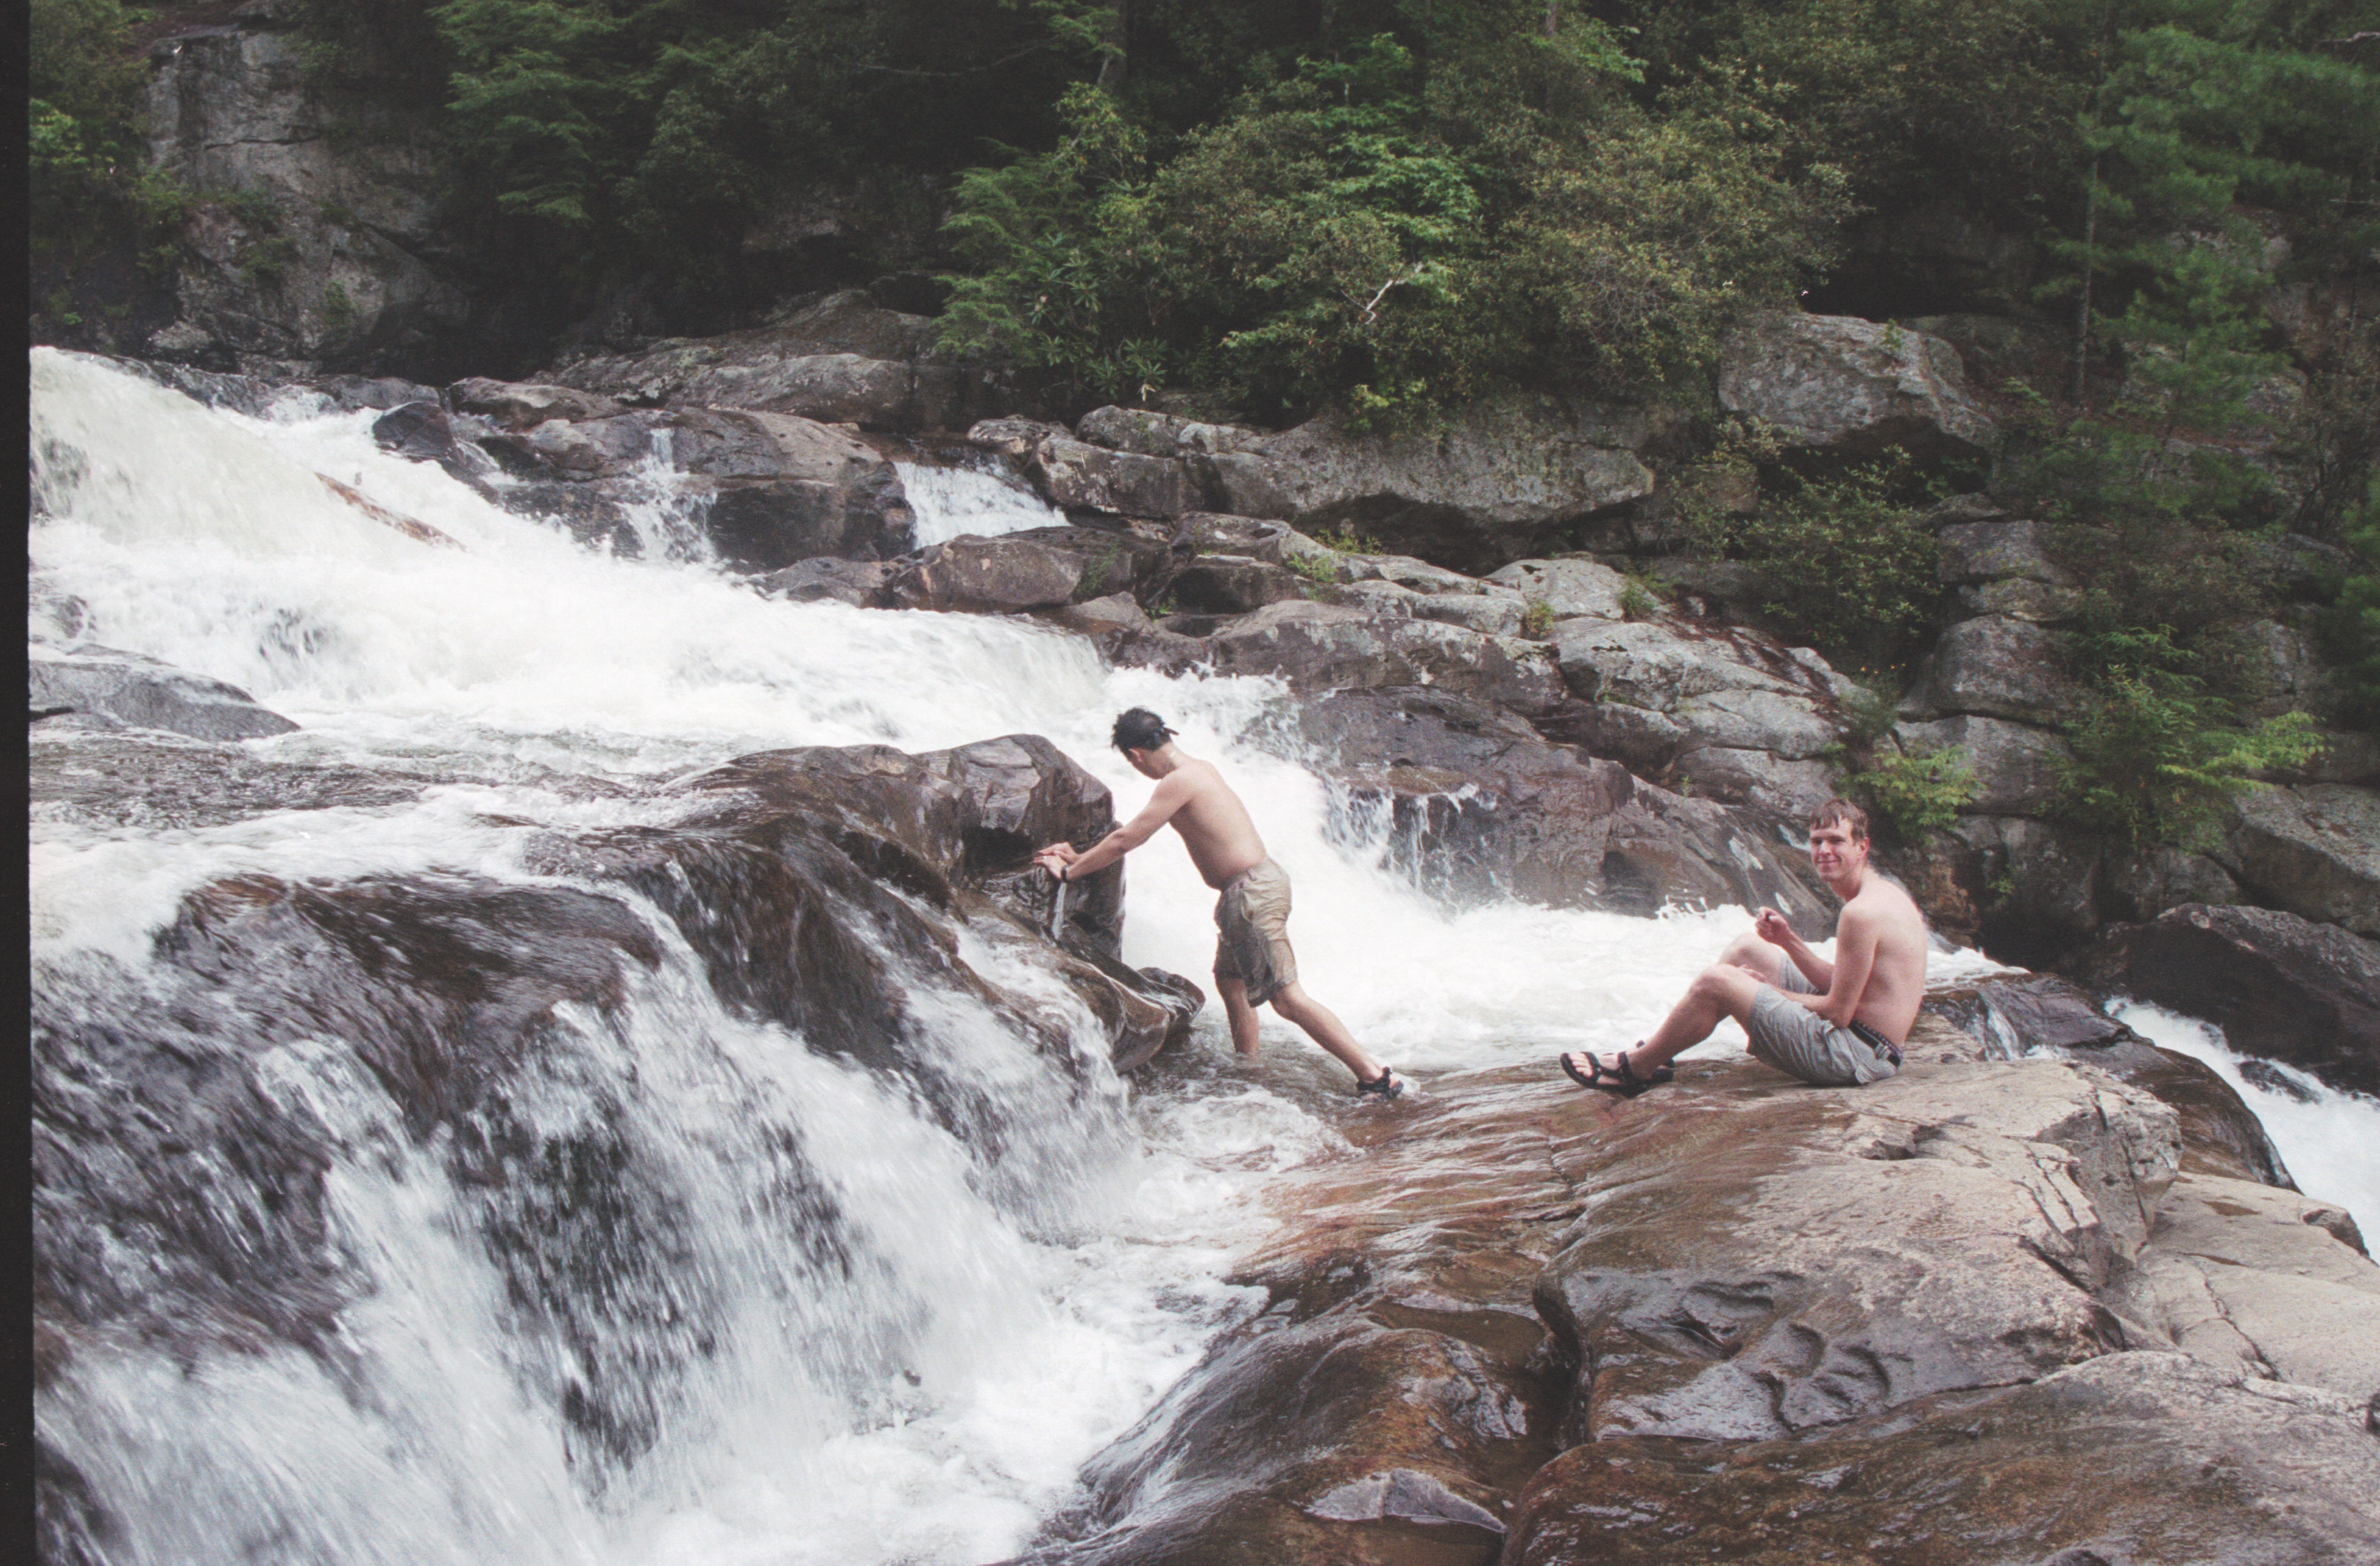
505,671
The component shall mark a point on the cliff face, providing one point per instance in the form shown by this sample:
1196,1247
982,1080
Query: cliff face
316,241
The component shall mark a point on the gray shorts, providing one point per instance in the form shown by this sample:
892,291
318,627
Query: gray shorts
1800,1042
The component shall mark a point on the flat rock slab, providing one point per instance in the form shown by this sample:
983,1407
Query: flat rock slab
2144,1459
143,692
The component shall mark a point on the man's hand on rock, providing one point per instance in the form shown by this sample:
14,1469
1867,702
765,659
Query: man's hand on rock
1056,857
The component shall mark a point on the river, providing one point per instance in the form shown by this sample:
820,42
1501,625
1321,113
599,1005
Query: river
929,1402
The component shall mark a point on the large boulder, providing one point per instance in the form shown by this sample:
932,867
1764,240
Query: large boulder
2278,985
843,360
323,257
1034,568
1319,646
1159,434
782,489
1077,477
2313,850
2017,766
1500,481
1851,388
141,692
1479,807
2002,567
1997,666
1570,589
2151,1458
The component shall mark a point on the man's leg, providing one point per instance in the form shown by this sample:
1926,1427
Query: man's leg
1324,1027
1751,952
1241,1016
1721,990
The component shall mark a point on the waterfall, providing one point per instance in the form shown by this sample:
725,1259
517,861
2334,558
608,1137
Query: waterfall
982,495
816,1321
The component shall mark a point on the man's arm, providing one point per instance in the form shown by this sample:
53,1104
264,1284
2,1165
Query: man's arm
1775,929
1855,943
1061,859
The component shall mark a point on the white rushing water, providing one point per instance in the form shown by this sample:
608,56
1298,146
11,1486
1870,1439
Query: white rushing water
985,497
932,1407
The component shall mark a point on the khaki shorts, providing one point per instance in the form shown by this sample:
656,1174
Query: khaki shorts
1252,932
1800,1042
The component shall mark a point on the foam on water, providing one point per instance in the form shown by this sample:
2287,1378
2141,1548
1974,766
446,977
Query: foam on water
1034,1333
2327,1137
985,498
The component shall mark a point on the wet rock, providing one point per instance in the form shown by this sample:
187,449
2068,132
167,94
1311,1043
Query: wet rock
2265,1283
144,779
1325,647
783,490
1076,476
1479,805
524,405
1260,540
1226,584
1034,568
2148,1459
1471,498
421,431
2036,1015
859,583
2278,985
143,692
1999,667
1126,635
1852,387
2313,851
2042,879
1969,1214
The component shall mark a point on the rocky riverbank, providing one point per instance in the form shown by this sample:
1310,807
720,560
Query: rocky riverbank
1990,1308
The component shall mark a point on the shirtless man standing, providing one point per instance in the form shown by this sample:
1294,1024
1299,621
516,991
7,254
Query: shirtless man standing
1253,962
1835,1024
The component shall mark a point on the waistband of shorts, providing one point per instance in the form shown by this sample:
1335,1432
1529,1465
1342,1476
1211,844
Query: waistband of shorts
1879,1043
1258,868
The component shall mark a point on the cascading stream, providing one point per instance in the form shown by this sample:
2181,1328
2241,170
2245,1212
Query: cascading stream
909,1363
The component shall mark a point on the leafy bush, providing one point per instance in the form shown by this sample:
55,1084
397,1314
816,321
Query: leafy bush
1852,565
1538,619
2156,757
2351,625
1641,594
1917,790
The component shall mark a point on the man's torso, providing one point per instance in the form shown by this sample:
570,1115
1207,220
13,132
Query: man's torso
1896,982
1215,826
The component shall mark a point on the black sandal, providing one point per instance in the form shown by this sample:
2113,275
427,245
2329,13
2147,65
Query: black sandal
1383,1086
1621,1079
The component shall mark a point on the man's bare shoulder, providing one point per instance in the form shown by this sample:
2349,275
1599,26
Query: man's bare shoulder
1882,904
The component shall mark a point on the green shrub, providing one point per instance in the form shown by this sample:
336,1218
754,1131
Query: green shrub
1538,619
2156,758
1315,568
1642,593
1917,790
1851,563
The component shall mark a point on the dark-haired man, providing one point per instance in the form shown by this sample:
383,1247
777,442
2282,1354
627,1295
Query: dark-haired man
1837,1024
1253,962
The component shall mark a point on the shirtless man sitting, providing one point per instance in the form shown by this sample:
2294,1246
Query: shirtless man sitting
1253,962
1835,1025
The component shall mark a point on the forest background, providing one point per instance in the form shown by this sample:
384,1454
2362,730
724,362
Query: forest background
1391,207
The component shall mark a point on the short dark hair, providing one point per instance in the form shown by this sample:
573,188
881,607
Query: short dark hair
1842,811
1140,729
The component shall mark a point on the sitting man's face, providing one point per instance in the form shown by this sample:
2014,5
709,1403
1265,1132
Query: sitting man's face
1833,849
